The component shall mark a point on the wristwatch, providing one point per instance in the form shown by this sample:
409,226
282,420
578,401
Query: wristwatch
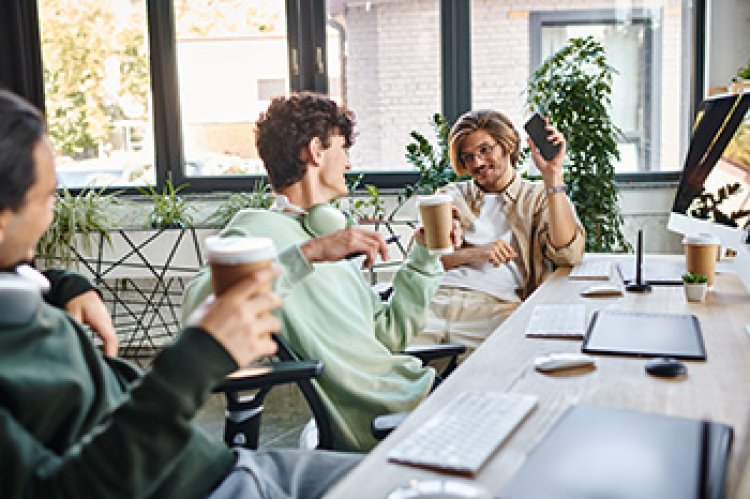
556,188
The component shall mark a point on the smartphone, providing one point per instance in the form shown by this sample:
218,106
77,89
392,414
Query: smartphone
535,127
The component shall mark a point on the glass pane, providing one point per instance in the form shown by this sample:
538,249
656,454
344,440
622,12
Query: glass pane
387,72
648,43
97,91
232,59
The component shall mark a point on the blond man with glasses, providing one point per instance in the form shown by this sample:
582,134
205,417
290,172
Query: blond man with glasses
514,229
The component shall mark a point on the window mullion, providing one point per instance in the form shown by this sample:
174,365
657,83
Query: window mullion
455,24
165,91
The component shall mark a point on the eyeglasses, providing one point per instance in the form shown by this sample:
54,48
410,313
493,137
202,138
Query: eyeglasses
482,151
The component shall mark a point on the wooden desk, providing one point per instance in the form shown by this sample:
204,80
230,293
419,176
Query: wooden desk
718,389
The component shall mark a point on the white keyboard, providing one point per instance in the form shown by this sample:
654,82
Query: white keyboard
598,270
463,434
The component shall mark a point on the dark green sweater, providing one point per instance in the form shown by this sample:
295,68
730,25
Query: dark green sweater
70,426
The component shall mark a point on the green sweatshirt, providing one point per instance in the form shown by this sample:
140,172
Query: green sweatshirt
72,425
331,313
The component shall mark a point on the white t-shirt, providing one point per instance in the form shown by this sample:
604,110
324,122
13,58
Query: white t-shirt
501,282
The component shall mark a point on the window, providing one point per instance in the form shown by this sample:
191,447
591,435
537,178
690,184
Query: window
97,87
138,92
231,59
648,46
384,57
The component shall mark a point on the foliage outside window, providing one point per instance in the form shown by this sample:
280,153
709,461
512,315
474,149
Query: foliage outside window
574,87
97,88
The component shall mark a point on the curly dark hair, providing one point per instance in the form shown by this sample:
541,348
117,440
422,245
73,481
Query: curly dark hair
288,126
21,127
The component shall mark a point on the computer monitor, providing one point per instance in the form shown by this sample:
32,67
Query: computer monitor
714,192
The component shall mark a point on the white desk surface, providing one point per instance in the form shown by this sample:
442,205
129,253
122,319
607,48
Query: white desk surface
717,389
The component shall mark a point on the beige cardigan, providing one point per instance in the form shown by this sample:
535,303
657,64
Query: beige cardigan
525,205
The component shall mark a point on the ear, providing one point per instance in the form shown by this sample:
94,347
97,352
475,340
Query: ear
313,152
4,221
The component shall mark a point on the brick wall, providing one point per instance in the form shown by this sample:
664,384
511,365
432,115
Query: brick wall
393,69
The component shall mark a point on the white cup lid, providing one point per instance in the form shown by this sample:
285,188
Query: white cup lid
700,240
434,199
236,250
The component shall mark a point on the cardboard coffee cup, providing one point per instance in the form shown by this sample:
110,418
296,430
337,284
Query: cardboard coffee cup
234,258
701,252
437,219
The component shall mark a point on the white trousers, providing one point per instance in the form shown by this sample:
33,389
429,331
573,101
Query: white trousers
463,316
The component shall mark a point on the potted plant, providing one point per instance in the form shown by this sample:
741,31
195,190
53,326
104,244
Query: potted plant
742,79
259,197
573,88
169,209
78,220
696,286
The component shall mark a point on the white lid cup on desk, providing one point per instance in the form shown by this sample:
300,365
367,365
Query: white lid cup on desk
239,250
701,240
701,253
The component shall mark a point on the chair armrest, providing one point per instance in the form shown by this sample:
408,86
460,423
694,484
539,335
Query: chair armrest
426,353
382,426
276,373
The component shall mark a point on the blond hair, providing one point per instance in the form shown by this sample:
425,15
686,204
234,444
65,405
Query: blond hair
495,123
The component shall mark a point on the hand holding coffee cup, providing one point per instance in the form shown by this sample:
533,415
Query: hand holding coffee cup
235,258
436,214
701,253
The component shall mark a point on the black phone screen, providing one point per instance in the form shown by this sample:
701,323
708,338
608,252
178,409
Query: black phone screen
535,127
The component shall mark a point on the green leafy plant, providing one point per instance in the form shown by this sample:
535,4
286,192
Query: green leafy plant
77,220
694,278
372,207
573,87
430,159
744,73
707,206
169,209
259,197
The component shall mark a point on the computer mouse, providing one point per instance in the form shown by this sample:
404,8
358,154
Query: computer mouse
665,367
565,360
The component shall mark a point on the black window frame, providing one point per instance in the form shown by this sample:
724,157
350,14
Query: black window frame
306,25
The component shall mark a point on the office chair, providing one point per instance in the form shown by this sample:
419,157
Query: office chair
244,412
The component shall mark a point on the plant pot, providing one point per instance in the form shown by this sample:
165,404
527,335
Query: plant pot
696,292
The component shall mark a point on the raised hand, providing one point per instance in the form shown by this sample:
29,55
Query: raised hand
551,170
240,318
343,243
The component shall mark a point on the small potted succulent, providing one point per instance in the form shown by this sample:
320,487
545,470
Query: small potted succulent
696,286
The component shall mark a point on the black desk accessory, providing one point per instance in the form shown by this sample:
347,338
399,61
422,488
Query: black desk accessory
665,367
639,286
624,332
599,452
536,127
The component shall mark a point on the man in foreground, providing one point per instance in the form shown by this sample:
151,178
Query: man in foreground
75,424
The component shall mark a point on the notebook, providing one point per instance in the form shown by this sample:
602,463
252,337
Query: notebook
626,332
598,452
557,321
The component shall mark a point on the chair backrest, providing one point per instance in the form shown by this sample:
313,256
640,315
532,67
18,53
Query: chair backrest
306,386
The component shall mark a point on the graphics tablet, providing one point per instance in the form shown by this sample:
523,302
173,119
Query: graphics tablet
645,334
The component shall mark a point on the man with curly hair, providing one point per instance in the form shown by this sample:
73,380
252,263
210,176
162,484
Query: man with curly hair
330,312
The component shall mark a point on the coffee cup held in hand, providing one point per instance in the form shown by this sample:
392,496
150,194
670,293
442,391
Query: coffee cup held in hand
436,215
234,258
701,253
